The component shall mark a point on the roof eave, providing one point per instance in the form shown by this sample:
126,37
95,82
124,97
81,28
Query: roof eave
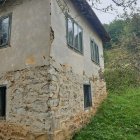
88,13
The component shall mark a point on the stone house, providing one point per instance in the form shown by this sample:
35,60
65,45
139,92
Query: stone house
51,65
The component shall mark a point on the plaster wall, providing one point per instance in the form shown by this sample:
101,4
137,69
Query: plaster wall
30,34
59,48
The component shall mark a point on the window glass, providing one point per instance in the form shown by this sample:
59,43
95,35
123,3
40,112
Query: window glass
2,101
87,96
74,35
4,31
70,31
80,34
94,52
97,54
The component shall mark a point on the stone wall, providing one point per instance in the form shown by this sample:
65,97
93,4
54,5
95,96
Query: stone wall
68,99
48,99
27,100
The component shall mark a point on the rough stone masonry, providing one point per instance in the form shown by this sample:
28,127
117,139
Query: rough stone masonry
47,102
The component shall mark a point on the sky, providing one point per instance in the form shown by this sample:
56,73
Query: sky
109,17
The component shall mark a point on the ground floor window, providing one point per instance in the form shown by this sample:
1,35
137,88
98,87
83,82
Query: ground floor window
87,96
2,101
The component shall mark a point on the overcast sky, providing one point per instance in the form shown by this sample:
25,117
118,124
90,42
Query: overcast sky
108,17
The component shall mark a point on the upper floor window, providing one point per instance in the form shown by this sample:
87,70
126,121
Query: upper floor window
74,35
4,30
94,52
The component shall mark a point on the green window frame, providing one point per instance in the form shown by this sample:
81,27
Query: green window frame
5,30
94,52
74,35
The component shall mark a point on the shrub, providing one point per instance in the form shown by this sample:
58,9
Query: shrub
118,79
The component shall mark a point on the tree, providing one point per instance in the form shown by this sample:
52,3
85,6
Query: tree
115,30
129,6
122,58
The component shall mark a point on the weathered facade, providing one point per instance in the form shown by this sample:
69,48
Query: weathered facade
44,77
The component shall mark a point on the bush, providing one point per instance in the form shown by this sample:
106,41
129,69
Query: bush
121,78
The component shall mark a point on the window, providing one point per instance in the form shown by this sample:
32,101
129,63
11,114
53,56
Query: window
87,96
4,30
2,101
94,52
74,35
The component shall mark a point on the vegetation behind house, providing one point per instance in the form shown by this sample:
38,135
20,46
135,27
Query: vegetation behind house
122,54
118,117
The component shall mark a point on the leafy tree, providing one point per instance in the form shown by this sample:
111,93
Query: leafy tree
115,29
127,5
122,56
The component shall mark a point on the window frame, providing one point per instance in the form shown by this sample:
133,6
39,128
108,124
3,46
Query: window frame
97,62
69,45
9,30
90,99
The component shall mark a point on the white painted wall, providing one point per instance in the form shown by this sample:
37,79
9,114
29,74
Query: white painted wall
30,34
60,50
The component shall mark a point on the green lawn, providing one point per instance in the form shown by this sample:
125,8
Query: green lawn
117,119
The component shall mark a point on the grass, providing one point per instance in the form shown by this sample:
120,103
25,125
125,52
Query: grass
117,119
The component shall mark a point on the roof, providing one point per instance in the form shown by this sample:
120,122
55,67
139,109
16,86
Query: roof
88,13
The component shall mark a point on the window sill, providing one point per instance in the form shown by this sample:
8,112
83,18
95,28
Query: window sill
2,118
88,108
75,50
4,46
97,64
